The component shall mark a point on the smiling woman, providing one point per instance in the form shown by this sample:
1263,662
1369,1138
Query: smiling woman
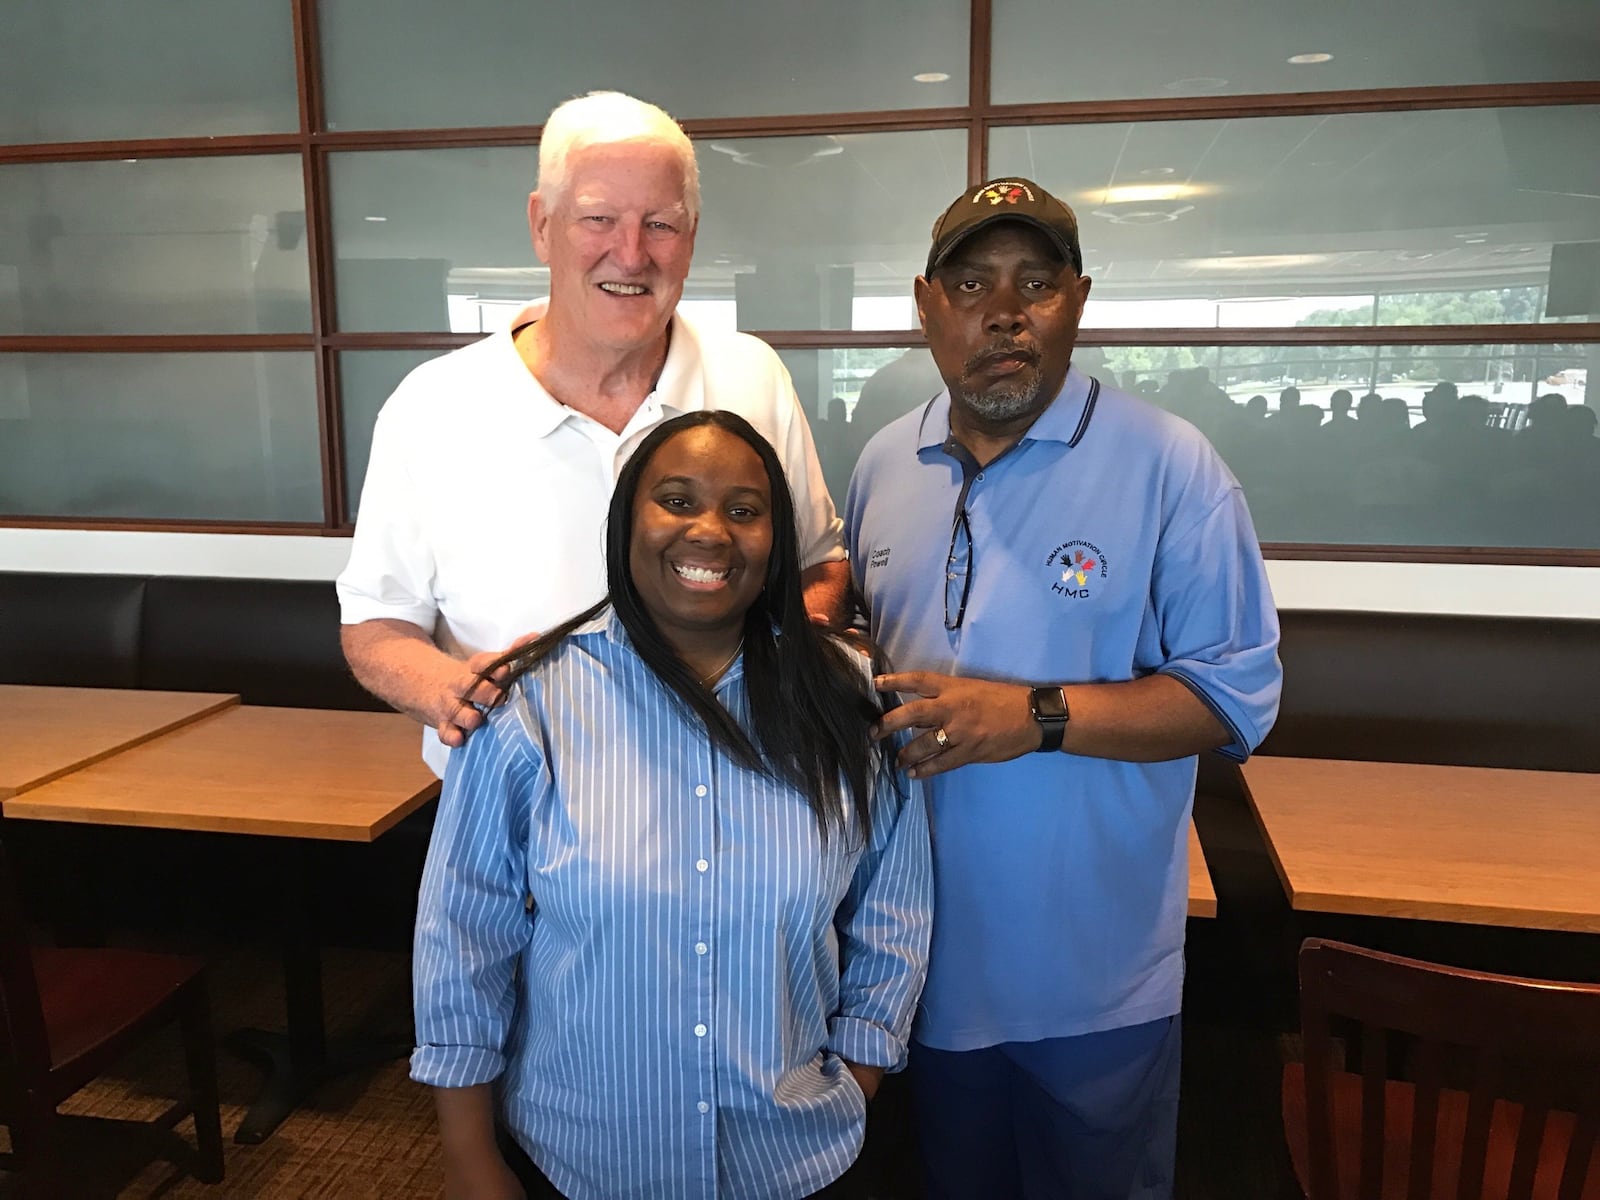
702,540
674,865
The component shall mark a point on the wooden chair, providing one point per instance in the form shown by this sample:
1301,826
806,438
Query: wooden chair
67,1015
1499,1096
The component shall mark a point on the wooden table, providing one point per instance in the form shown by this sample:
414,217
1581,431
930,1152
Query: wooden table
283,772
294,777
1467,844
1202,896
51,731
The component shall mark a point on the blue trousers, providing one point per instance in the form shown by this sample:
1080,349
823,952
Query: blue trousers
1079,1118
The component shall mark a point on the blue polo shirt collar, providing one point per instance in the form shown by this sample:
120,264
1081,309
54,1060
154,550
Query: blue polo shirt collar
1065,420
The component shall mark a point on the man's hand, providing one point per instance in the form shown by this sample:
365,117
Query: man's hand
399,663
868,1077
980,721
464,693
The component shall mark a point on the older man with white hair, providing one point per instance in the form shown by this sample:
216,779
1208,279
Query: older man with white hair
492,466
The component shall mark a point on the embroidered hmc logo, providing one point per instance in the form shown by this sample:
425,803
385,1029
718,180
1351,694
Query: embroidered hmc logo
1004,193
1074,566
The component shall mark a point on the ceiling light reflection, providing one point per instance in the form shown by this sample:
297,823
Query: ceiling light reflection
1257,262
1143,193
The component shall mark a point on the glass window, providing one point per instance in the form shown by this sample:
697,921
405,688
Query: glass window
812,232
1461,446
176,245
433,239
1392,445
366,377
1448,217
405,64
107,70
825,231
1047,51
211,437
850,394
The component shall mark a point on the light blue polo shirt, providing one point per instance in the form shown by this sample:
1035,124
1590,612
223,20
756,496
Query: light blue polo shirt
1111,542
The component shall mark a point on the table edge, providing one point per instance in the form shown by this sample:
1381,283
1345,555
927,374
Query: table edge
223,701
18,808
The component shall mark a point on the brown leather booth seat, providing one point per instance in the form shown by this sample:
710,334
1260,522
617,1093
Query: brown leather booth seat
1475,691
70,630
1520,692
273,641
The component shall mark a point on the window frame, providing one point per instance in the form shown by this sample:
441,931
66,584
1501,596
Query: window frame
313,143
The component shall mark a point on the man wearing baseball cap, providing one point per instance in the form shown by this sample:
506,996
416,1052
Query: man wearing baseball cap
1068,583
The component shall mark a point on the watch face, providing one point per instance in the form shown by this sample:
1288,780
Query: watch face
1049,704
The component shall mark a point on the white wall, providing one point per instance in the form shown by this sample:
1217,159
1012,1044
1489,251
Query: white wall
1377,587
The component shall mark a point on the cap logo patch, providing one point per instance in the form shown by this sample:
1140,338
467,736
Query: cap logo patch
1004,193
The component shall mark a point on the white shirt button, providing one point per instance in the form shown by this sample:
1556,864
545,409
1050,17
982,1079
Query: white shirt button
702,865
701,790
699,1031
701,947
703,1107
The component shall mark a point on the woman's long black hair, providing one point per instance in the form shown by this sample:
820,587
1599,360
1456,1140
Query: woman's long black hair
811,710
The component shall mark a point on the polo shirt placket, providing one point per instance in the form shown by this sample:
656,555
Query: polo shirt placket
702,842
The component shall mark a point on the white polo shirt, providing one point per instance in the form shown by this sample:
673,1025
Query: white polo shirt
482,516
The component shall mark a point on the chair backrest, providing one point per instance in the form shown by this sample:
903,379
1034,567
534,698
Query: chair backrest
1531,1041
24,1049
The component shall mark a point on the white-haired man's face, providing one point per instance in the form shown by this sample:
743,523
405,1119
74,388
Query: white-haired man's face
618,239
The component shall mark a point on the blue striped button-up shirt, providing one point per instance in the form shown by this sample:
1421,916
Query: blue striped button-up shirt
670,1015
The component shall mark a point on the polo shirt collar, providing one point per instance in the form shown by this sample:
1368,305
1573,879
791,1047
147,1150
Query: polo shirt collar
681,377
1065,420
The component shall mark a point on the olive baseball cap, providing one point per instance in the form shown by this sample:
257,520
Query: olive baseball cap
1005,200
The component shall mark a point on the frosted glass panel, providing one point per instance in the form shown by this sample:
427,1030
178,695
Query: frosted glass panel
193,245
1461,446
214,437
108,70
814,232
405,64
1392,445
1045,50
1471,216
824,231
433,239
850,394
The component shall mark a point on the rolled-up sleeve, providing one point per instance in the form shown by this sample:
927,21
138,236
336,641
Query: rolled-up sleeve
472,918
1219,626
884,925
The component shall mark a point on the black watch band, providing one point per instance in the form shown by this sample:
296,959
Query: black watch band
1049,708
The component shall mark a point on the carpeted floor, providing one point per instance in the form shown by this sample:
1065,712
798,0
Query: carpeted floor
370,1134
